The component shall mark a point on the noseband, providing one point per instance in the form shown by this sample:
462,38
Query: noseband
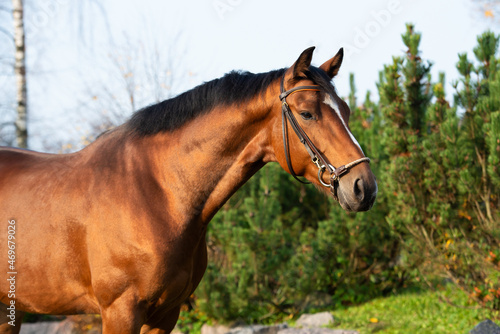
317,158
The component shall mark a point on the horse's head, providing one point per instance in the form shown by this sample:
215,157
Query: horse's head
313,139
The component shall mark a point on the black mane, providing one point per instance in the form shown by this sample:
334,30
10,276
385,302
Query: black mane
233,88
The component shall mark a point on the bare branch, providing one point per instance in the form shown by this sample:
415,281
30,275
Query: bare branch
83,10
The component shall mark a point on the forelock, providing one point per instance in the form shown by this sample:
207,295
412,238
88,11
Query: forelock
320,78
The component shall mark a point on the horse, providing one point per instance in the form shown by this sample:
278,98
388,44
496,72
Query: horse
118,228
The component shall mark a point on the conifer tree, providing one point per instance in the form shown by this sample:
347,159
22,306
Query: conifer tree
439,152
440,146
478,94
404,97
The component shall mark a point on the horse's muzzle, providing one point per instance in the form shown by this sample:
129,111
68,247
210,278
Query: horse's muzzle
357,193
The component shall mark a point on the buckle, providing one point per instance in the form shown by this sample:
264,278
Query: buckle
315,160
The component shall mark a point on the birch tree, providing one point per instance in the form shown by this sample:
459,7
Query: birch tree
20,74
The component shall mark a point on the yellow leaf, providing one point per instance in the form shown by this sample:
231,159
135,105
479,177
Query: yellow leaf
448,242
373,320
464,214
489,13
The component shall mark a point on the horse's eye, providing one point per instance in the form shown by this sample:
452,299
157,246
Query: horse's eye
306,115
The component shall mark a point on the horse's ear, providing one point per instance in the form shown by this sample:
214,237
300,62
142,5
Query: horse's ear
332,66
303,62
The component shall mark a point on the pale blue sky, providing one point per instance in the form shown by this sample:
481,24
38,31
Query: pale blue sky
213,37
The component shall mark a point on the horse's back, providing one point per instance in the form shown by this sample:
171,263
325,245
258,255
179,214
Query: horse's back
26,176
18,163
12,160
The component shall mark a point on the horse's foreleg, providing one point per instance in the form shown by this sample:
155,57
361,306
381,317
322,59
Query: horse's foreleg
124,316
164,324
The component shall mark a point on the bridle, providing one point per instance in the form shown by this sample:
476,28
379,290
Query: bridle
317,158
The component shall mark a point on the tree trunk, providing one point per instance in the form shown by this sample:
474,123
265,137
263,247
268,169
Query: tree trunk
20,73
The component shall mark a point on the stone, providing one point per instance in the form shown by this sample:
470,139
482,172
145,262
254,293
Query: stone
315,320
316,331
48,327
257,329
486,327
217,329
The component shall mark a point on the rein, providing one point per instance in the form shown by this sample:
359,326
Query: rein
317,158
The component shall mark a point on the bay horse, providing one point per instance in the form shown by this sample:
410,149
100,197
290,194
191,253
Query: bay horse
118,228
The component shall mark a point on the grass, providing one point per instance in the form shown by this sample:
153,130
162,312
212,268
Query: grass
412,312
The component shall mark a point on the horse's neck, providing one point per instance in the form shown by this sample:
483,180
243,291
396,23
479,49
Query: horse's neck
202,164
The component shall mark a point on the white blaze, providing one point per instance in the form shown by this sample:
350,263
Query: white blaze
330,101
333,104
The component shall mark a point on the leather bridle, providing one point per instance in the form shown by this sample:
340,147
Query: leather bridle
317,158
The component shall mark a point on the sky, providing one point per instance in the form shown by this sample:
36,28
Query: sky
76,50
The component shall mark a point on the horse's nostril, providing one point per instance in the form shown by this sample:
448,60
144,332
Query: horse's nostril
359,189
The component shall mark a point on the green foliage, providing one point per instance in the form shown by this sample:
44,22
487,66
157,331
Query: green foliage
279,248
414,311
191,321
